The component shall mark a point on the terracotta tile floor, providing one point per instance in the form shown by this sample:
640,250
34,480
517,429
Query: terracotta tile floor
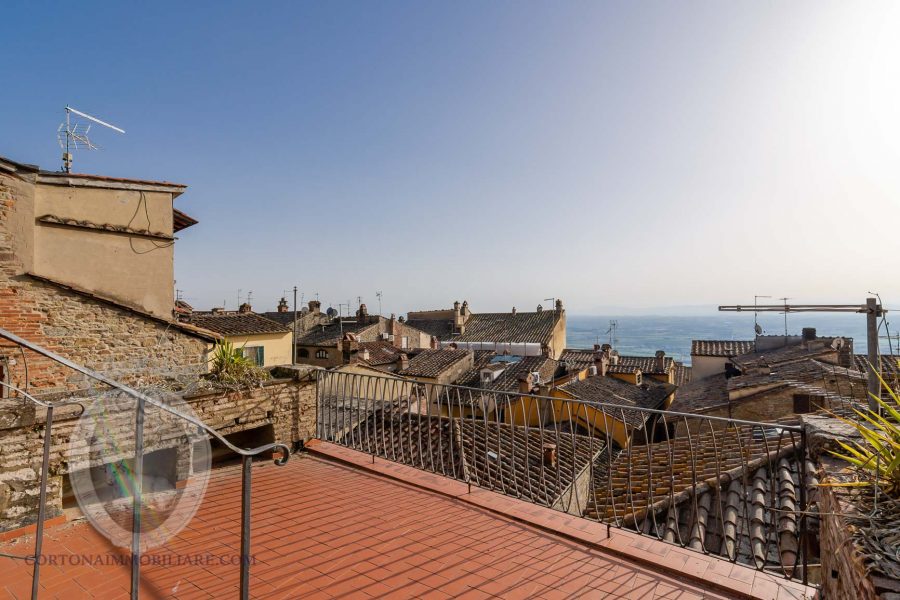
324,530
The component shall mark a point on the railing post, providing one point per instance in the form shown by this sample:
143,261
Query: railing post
245,526
136,505
39,534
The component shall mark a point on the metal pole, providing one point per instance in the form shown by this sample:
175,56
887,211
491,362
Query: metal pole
873,311
294,334
39,534
245,527
136,506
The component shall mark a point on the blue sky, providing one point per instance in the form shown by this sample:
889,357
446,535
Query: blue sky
637,155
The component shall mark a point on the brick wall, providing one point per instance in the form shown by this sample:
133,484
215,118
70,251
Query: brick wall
289,405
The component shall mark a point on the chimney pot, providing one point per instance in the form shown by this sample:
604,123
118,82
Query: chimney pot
514,310
282,305
402,361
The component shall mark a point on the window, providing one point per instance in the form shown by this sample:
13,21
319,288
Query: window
801,404
321,354
404,342
256,354
303,353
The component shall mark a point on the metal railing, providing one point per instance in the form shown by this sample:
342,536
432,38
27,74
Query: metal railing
141,401
739,490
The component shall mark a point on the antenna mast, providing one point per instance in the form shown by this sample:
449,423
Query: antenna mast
73,135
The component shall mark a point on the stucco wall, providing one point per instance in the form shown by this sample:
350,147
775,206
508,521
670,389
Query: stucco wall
134,270
276,346
706,366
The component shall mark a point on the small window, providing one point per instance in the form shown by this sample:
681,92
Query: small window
256,354
321,354
801,404
303,353
404,342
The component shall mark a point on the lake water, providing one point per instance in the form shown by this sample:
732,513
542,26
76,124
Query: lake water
644,335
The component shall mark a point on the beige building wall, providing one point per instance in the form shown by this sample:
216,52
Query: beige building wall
276,346
707,366
135,270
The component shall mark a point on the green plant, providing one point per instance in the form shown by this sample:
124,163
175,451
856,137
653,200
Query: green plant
229,365
878,455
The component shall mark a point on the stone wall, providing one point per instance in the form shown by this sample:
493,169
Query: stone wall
844,573
288,404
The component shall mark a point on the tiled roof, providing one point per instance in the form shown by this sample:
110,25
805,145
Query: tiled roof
701,394
889,367
809,376
599,390
785,354
838,385
521,327
577,358
234,323
682,374
710,492
330,334
647,364
431,363
439,328
725,348
508,380
622,369
503,457
380,353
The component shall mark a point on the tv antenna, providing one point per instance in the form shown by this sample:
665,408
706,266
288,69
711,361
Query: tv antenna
73,135
613,325
379,294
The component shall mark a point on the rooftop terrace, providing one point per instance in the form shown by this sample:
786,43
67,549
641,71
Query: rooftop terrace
329,530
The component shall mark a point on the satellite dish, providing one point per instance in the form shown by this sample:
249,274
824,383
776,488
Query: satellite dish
758,329
73,135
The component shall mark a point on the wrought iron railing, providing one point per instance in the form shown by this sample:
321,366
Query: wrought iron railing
740,490
141,402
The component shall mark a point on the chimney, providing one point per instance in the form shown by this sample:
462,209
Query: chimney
402,361
362,315
539,308
526,383
349,346
661,361
549,452
363,354
218,310
809,334
601,361
435,344
514,310
282,305
245,308
559,305
314,306
456,306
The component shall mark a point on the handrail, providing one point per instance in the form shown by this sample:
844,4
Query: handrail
142,401
707,483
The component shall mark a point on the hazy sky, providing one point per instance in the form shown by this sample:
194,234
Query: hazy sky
611,154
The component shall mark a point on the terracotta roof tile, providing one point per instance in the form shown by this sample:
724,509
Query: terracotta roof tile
236,323
601,390
431,363
726,348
